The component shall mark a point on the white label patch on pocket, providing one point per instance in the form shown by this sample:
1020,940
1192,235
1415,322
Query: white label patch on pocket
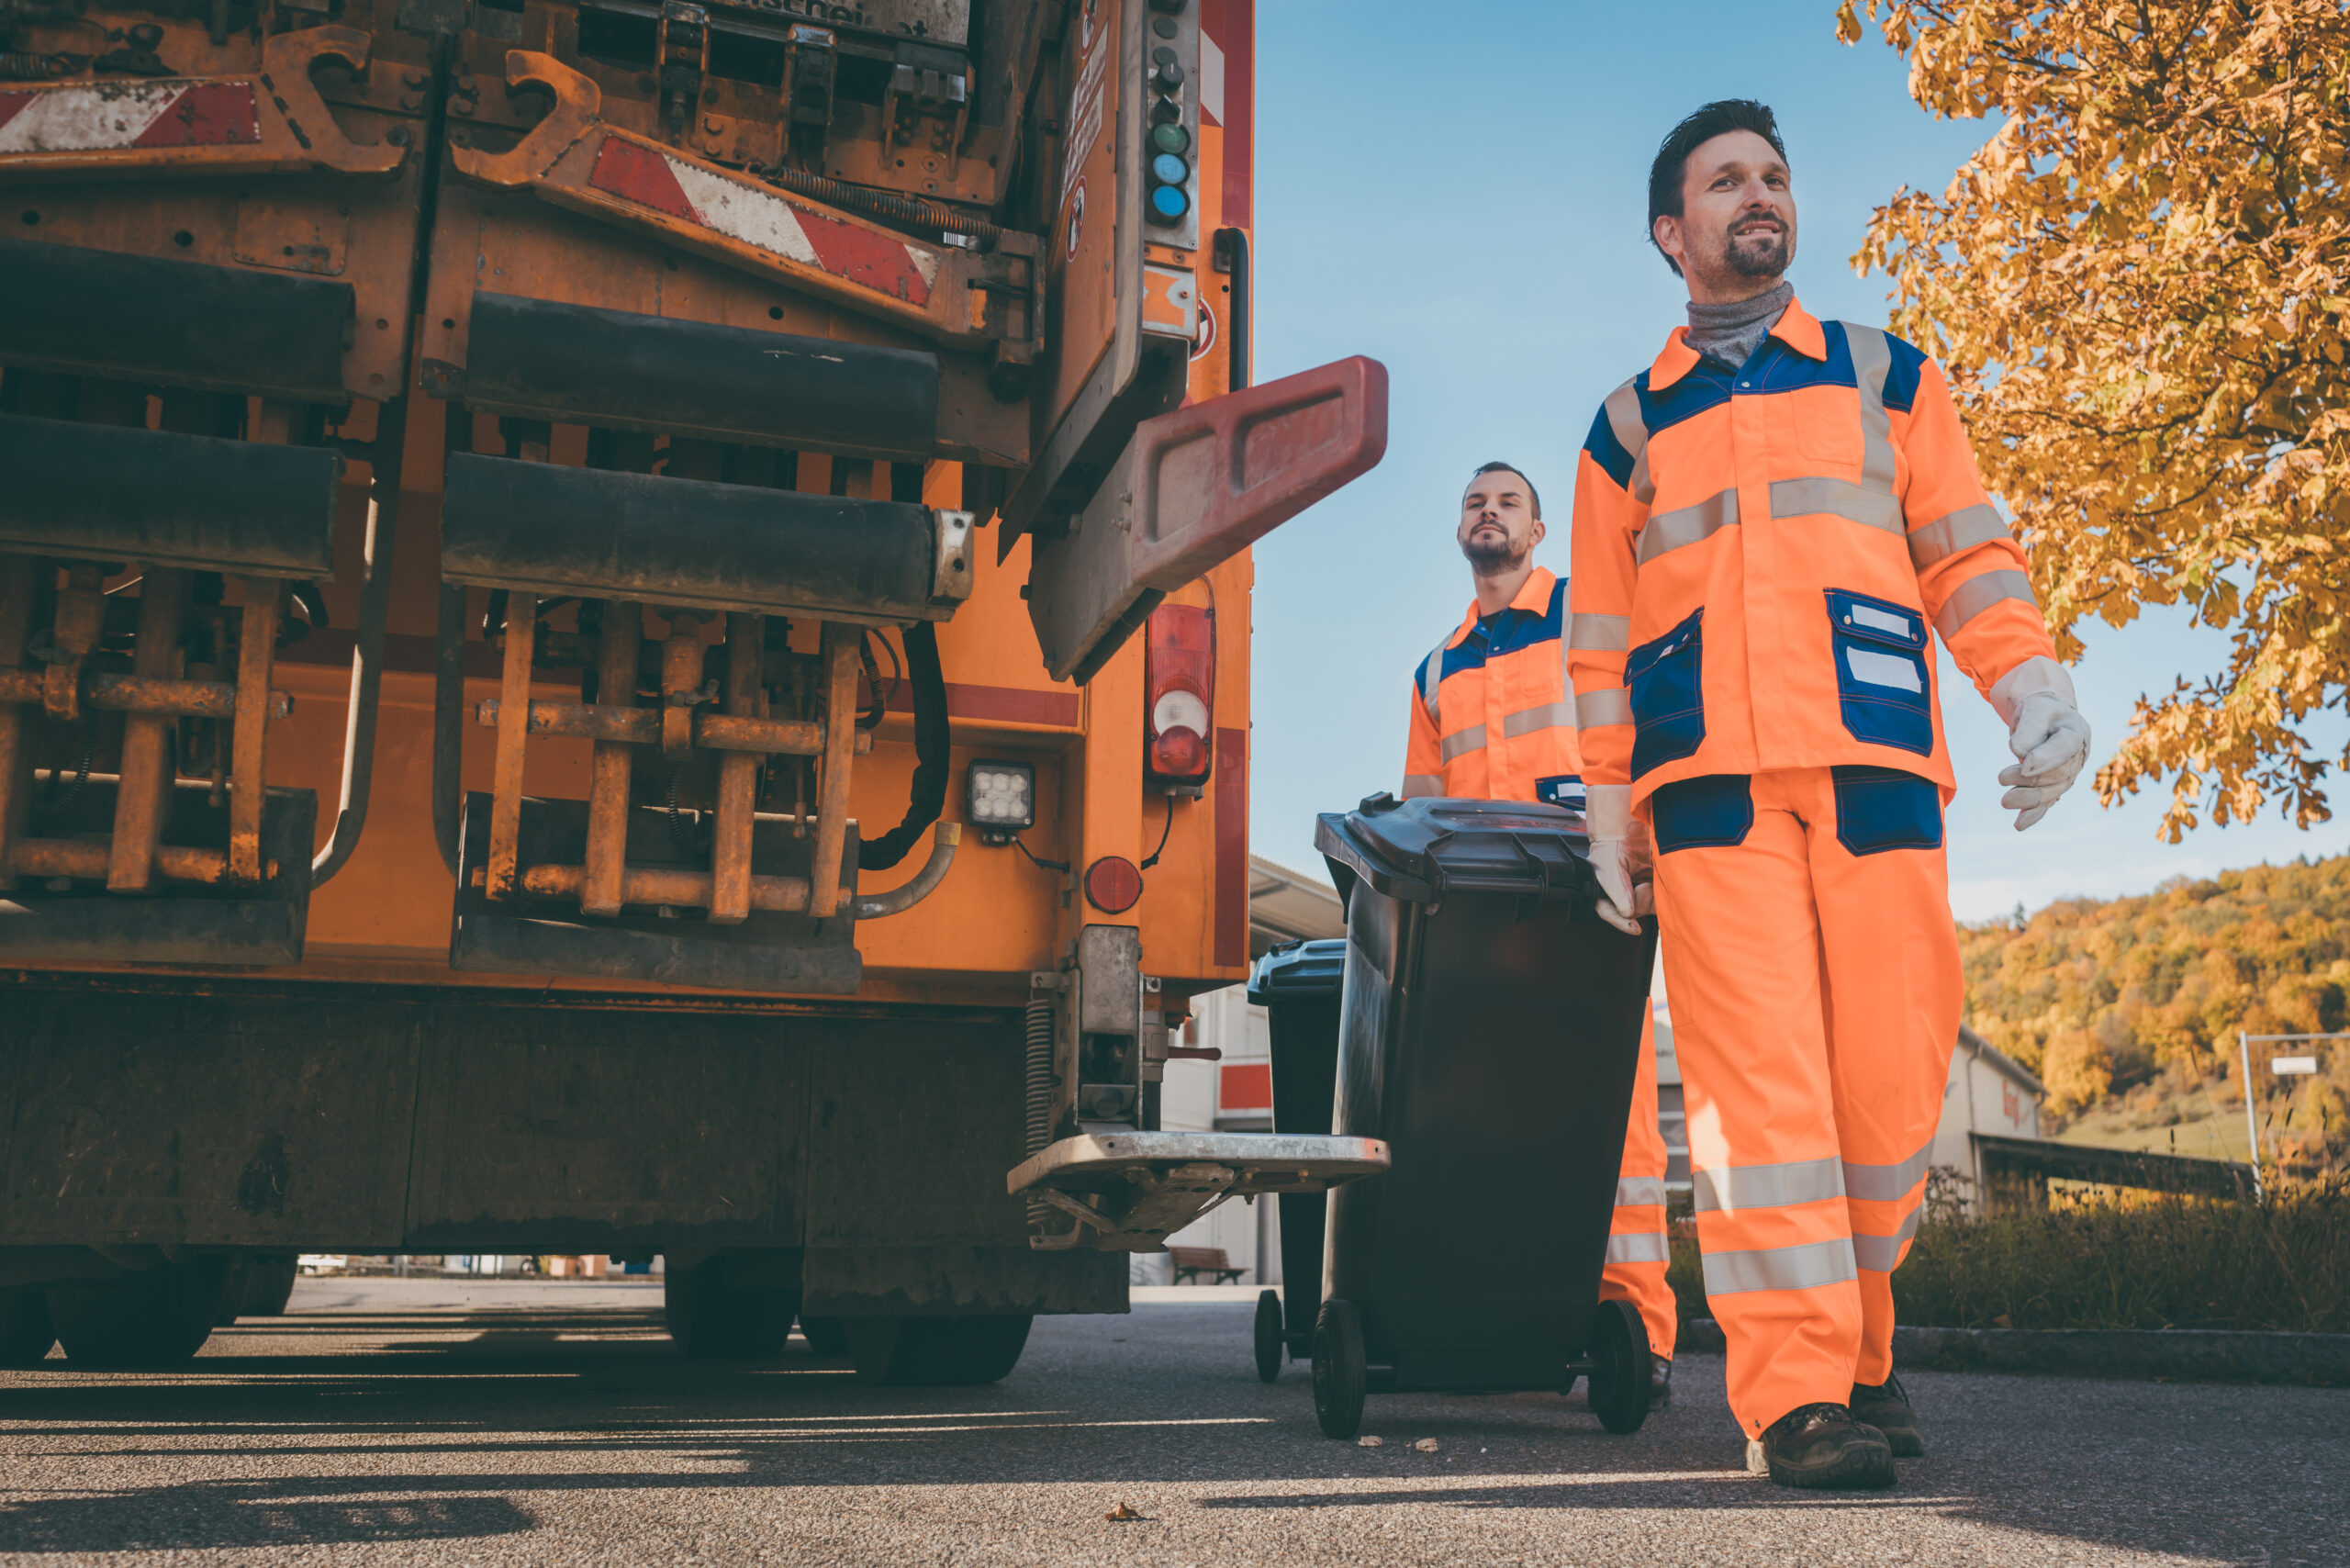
1884,669
1878,621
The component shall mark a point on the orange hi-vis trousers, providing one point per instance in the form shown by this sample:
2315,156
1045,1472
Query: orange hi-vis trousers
1814,971
1638,1251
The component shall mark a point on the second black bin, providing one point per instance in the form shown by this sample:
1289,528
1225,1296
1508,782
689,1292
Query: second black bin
1489,1026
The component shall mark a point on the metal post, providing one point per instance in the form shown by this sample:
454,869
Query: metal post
2251,1119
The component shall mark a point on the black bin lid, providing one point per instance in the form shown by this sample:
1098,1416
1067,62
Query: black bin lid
1312,967
1427,849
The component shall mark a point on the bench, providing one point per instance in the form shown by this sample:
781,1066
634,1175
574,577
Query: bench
1193,1261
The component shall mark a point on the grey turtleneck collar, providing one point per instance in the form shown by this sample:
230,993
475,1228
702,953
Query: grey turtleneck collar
1731,333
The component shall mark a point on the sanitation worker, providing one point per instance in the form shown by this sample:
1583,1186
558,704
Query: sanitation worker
1493,719
1771,523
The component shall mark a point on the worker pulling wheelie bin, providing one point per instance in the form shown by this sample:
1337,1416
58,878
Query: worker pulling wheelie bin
1489,1032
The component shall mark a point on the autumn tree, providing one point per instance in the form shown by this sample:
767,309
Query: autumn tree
2138,285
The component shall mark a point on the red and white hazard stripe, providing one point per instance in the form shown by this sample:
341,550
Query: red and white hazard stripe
763,219
98,117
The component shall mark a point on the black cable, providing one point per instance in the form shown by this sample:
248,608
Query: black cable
1043,865
1163,832
927,797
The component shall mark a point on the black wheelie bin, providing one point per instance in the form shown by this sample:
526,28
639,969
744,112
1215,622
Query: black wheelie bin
1297,985
1489,1026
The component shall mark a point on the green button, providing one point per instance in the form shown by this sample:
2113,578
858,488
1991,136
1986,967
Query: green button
1171,138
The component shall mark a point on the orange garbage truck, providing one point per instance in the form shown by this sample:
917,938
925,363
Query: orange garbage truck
624,629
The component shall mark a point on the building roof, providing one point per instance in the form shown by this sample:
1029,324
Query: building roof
1999,1061
1285,905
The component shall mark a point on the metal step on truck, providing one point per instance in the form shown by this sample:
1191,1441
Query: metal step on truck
624,629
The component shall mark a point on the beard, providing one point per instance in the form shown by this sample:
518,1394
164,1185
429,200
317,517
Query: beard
1489,555
1757,253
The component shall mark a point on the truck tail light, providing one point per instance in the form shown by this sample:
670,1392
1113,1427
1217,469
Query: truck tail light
1179,681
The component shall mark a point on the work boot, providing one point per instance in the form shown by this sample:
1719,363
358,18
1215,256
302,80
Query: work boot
1660,1383
1885,1407
1822,1446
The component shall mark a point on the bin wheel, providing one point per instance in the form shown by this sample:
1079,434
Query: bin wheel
1620,1367
935,1351
1272,1343
1340,1377
825,1335
25,1333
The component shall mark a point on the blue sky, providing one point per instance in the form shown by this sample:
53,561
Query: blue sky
1458,190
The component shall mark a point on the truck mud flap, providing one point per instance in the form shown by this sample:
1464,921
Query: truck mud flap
542,359
107,493
769,952
168,323
1194,488
1127,1192
222,925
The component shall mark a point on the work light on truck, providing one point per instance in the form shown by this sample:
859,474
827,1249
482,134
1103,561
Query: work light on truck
1001,799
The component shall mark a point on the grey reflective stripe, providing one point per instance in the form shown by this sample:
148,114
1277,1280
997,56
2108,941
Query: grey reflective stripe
1432,677
1880,1253
1638,1192
1979,593
1961,529
1884,1184
1471,739
1780,1268
1872,357
1525,721
1767,1186
1837,497
1687,525
1418,784
1600,633
1612,706
1632,434
1649,1249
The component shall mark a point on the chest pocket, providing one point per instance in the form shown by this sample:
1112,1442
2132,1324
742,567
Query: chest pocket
1884,683
1666,678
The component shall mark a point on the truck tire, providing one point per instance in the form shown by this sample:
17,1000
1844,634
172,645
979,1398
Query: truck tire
155,1317
709,1317
25,1333
269,1285
825,1335
936,1353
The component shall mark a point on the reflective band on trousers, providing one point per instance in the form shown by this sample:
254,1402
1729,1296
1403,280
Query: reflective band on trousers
1884,1183
1880,1253
1612,706
1651,1248
1837,497
1767,1186
1471,739
1961,529
1977,594
1418,784
1780,1268
1525,721
1669,531
1638,1192
1600,633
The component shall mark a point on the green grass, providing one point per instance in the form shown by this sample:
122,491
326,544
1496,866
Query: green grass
2162,1262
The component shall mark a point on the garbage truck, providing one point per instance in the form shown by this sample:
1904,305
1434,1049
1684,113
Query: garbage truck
624,629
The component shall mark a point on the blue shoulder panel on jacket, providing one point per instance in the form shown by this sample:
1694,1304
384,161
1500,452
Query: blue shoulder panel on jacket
1901,379
1608,452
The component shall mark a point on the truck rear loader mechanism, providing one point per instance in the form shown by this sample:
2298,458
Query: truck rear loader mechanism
599,601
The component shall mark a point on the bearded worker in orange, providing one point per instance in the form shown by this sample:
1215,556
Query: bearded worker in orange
1772,523
1493,719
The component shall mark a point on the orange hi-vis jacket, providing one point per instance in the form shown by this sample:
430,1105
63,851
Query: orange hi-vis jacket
1759,553
1491,715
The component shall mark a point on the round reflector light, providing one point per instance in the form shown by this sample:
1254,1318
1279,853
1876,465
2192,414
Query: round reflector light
1113,884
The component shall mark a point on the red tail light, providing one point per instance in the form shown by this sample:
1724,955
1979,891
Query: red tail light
1179,683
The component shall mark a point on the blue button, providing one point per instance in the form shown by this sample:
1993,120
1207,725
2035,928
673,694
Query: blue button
1168,203
1169,170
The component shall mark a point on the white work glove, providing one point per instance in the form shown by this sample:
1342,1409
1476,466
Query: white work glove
1620,855
2047,734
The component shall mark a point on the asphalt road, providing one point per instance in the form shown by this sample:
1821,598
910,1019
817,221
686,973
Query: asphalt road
424,1421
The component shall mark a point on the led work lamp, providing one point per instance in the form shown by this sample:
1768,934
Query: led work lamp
1000,800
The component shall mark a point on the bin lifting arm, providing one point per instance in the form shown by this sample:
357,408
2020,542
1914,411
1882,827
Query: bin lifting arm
1128,1192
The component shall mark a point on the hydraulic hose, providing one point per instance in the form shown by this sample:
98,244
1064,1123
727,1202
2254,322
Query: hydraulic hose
930,742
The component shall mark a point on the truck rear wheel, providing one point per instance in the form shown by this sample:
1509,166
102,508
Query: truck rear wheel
25,1333
155,1317
936,1351
709,1317
269,1285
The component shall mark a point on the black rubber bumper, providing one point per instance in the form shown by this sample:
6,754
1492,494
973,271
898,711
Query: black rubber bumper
112,493
161,324
553,530
538,359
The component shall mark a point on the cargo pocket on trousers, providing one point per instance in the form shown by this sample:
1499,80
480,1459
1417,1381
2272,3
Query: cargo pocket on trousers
1712,811
1668,696
1882,808
1882,681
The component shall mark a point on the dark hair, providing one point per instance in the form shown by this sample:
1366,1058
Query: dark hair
1671,162
1532,494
